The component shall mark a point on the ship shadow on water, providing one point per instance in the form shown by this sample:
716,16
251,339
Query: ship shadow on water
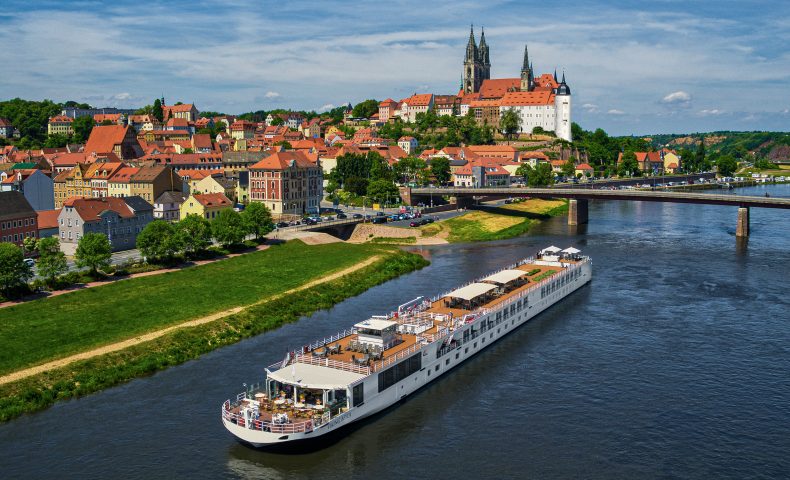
496,356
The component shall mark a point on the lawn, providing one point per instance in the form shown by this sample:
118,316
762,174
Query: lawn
495,223
42,330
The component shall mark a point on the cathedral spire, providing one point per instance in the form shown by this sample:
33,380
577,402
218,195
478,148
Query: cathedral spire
555,74
471,46
483,50
525,66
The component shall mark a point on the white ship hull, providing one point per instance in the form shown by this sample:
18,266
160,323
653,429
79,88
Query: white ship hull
435,359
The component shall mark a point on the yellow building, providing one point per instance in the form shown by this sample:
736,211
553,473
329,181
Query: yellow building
60,124
671,161
72,183
119,185
206,205
216,184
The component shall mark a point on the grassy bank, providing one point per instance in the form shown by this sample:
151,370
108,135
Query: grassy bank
51,328
497,223
85,377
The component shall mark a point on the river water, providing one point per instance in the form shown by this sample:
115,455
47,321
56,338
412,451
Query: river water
673,363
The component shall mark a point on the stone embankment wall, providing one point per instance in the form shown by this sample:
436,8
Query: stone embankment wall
365,231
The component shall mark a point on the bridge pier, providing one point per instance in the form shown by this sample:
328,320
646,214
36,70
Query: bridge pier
742,230
577,211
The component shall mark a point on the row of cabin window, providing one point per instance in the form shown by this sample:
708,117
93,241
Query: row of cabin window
559,283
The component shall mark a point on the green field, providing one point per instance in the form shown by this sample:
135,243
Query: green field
497,223
47,329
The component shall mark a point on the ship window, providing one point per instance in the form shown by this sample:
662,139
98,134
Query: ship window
512,309
457,355
436,368
474,345
358,394
395,374
466,350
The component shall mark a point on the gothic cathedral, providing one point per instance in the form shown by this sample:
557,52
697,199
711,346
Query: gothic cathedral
477,64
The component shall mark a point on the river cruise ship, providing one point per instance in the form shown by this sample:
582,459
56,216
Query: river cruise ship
335,381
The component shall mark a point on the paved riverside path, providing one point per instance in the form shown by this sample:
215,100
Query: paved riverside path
114,347
590,194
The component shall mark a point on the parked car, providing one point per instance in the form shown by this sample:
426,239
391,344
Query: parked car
380,214
341,216
357,215
310,221
395,217
29,261
415,223
379,219
428,220
282,224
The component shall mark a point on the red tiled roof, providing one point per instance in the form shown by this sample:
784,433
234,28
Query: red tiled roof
184,107
420,100
282,160
90,208
584,166
48,218
123,175
497,87
113,117
103,138
213,200
61,119
177,122
527,98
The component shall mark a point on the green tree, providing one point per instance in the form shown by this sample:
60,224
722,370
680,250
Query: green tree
628,165
356,185
228,227
440,168
51,261
159,241
277,121
257,219
94,251
509,123
29,245
56,140
157,111
194,233
727,165
541,175
82,127
569,167
365,109
700,156
14,272
286,145
382,191
524,170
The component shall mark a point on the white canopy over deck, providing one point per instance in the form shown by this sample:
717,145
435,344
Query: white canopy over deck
375,324
505,276
551,249
571,250
471,291
315,376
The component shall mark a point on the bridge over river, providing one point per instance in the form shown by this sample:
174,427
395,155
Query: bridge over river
579,197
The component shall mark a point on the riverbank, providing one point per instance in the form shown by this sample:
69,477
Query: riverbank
177,345
495,223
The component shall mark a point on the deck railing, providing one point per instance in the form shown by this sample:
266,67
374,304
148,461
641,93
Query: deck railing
327,362
379,365
266,426
334,338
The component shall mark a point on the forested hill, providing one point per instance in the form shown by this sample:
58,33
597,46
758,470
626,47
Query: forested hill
773,146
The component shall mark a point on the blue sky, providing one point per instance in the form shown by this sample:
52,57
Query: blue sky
634,67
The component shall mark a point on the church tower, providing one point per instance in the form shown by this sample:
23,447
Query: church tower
483,59
527,77
562,107
477,65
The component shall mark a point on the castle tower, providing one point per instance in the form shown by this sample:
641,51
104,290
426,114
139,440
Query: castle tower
473,67
527,79
562,108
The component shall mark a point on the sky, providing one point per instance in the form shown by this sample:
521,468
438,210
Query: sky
634,68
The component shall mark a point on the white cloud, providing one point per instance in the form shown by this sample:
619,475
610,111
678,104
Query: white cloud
615,111
679,99
122,96
590,107
271,95
713,111
326,107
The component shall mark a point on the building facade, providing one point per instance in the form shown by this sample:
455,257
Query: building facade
120,219
288,183
18,220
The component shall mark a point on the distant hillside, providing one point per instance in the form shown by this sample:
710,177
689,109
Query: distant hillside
774,146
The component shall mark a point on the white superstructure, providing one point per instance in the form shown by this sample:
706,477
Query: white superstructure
333,382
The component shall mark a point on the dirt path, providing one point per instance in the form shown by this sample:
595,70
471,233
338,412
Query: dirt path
114,347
